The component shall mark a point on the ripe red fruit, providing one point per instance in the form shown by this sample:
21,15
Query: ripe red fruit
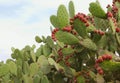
68,28
108,6
101,33
71,21
114,9
74,32
99,60
53,33
96,65
84,20
101,72
117,30
75,81
86,24
67,57
96,31
59,51
98,68
109,14
67,63
104,57
58,60
109,57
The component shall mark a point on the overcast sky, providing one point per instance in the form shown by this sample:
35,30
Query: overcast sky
22,20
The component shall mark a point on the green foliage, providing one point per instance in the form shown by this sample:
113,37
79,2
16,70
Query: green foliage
87,43
96,10
12,68
37,38
46,50
80,27
66,38
80,79
110,66
71,9
63,17
44,79
54,21
101,23
67,51
4,69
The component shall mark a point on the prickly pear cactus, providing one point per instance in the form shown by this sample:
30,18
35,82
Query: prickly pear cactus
81,49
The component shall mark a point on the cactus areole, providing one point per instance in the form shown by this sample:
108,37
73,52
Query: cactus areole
81,49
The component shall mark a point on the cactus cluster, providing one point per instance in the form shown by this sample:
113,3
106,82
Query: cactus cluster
81,49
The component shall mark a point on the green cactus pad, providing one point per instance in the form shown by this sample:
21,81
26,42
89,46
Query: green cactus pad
80,79
33,56
62,16
39,51
102,42
12,68
44,79
57,66
17,54
66,38
112,26
71,9
27,79
90,28
36,79
50,42
117,38
67,51
44,64
54,21
33,69
26,67
101,23
38,39
69,71
46,50
4,69
110,66
97,11
88,43
80,27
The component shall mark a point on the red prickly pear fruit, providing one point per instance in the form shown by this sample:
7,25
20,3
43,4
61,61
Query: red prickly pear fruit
96,31
104,57
96,65
108,6
86,24
99,68
109,57
67,63
99,60
117,30
58,60
67,57
101,72
102,33
68,28
109,14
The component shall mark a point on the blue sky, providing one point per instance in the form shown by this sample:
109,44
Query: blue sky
22,20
